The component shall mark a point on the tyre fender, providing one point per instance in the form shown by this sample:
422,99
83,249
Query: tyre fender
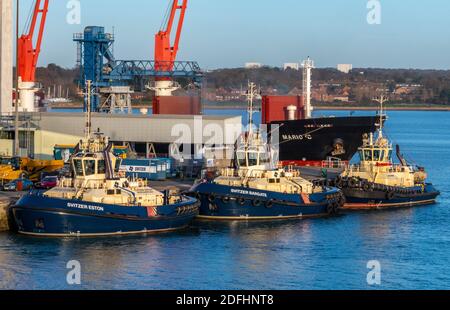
256,203
240,201
211,198
390,195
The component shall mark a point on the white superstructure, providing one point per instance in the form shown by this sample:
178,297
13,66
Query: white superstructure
344,68
291,65
253,65
307,65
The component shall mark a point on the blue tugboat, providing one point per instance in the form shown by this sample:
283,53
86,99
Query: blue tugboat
98,200
377,183
255,190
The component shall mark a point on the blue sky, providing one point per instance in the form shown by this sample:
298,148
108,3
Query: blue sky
228,33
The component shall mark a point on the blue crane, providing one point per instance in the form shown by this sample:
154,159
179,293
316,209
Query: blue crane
97,63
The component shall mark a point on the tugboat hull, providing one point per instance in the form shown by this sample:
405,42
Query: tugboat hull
218,202
311,141
37,215
359,199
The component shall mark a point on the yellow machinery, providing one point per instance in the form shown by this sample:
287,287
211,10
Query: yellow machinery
12,168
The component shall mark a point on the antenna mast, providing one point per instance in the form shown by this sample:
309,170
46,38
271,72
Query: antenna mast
307,65
252,92
88,110
381,100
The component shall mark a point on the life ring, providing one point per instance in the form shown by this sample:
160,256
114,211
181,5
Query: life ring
211,198
256,203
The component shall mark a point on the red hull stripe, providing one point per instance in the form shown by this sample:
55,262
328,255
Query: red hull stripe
355,206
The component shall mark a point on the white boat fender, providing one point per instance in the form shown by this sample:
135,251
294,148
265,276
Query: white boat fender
226,199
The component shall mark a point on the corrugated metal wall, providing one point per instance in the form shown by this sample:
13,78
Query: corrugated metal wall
139,128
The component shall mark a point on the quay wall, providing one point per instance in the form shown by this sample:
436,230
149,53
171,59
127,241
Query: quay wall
5,202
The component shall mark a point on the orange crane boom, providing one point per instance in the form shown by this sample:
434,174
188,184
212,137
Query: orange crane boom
165,51
29,54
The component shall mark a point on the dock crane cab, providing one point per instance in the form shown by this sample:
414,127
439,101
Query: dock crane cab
29,49
166,50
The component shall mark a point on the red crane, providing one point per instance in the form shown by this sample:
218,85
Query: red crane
29,54
165,51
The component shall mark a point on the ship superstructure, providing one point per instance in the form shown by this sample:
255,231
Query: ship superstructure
254,188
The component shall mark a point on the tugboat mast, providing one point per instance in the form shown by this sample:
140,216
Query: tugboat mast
252,92
88,128
307,65
381,100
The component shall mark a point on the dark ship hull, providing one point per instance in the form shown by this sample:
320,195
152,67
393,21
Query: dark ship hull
383,198
312,141
35,214
221,202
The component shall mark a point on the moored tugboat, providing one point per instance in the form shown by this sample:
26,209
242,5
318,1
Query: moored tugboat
377,183
97,200
254,189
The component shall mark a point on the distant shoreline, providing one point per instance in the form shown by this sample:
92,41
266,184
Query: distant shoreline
318,108
419,108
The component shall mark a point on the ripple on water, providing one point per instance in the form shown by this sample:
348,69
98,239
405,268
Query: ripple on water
411,244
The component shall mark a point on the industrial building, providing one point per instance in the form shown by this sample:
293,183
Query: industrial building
291,65
345,68
40,132
253,65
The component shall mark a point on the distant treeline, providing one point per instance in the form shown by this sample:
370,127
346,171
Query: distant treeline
54,75
362,83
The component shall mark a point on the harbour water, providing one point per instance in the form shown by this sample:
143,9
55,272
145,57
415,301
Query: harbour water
412,245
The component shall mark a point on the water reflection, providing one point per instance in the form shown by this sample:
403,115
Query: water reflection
412,244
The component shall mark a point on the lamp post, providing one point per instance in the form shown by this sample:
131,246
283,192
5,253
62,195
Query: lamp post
16,105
